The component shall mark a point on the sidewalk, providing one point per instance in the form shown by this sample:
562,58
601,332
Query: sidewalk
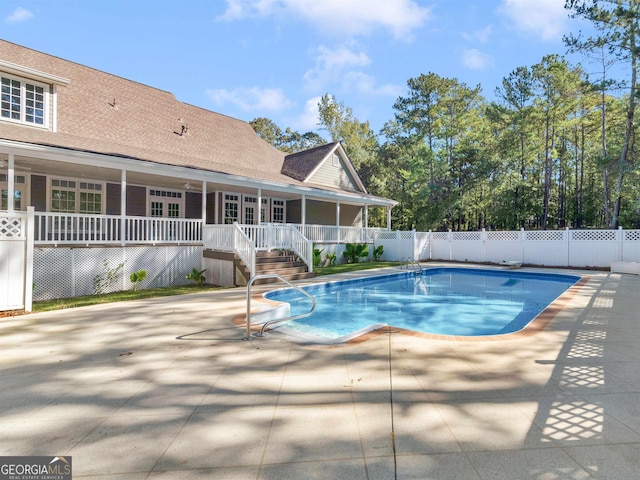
166,388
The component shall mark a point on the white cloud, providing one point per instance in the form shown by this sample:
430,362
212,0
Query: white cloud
253,99
476,60
19,15
341,69
332,65
338,17
365,84
544,18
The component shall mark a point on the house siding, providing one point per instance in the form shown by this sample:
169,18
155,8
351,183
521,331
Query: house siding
332,176
39,193
211,208
294,211
113,199
324,213
192,205
136,201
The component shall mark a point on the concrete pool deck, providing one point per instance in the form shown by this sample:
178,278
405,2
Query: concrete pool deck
165,388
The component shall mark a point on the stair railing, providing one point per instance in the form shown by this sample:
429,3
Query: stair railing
276,320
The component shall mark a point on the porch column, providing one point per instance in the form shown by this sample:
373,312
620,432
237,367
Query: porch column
204,202
388,218
304,210
123,206
366,215
259,212
10,180
337,214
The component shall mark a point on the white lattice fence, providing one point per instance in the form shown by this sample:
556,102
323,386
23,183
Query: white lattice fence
574,248
589,248
68,272
631,246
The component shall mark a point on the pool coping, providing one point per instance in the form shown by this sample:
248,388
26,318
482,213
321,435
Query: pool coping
534,327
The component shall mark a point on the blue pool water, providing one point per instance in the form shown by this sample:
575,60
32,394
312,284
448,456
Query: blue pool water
446,301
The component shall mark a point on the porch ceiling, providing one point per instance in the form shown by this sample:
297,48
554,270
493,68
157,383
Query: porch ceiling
78,165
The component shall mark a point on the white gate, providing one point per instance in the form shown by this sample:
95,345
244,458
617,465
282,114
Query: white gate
16,260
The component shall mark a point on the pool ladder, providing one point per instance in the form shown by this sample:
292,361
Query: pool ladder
411,264
277,320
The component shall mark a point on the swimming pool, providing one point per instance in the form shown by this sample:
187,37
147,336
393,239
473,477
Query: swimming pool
444,301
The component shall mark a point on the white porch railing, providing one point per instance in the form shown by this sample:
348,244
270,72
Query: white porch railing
246,239
244,247
70,228
335,234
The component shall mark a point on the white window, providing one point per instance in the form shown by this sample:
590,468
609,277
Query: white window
165,203
72,196
277,211
23,101
231,205
250,208
19,192
335,160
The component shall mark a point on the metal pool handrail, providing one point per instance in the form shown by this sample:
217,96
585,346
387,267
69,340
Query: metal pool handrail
409,262
277,320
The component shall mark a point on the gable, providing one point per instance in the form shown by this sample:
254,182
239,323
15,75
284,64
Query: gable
333,172
324,166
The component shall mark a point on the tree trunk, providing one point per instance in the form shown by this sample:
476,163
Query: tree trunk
622,162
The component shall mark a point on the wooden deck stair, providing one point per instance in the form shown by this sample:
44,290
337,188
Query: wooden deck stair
282,262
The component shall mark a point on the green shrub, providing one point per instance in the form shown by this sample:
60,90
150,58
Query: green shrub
196,276
137,277
355,251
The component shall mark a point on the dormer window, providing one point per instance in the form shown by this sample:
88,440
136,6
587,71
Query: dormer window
24,101
28,96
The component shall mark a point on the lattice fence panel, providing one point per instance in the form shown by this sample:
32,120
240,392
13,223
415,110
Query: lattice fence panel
601,235
96,270
385,235
544,235
503,236
467,236
632,235
52,269
439,236
58,270
12,227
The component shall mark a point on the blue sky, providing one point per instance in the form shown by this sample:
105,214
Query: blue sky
275,58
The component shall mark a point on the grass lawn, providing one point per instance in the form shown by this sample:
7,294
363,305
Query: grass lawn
83,301
62,303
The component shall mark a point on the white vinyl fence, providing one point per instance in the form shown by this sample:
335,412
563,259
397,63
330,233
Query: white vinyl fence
16,260
552,248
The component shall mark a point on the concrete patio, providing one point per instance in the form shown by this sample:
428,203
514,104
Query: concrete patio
165,388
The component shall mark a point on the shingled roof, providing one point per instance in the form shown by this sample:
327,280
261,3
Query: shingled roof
300,165
102,113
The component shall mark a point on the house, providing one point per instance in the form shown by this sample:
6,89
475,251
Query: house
122,176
